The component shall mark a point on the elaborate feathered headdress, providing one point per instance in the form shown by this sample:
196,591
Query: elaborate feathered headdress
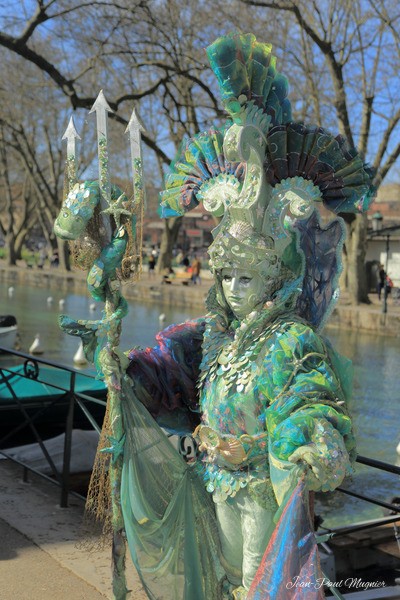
264,175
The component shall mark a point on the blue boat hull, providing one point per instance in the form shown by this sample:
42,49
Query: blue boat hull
45,403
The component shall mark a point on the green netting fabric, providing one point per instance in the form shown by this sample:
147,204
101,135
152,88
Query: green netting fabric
169,517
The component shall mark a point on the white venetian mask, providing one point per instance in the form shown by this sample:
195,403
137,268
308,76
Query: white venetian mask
244,289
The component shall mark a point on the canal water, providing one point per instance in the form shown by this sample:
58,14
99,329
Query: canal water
375,405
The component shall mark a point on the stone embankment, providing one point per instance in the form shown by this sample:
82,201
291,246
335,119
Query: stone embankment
180,293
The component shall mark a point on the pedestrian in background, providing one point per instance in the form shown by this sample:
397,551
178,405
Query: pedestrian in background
151,264
196,268
381,280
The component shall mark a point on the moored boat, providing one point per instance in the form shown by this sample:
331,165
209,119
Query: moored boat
8,331
41,395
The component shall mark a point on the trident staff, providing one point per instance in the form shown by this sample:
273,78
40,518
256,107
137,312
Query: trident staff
107,354
117,257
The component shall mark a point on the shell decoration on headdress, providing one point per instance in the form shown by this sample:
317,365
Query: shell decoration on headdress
265,175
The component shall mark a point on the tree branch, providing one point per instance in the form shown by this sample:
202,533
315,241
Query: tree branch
392,123
387,165
336,68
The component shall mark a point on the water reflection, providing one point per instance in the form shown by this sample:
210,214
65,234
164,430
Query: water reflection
375,404
375,408
35,314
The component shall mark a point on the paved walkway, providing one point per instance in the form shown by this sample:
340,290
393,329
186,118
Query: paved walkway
39,559
29,573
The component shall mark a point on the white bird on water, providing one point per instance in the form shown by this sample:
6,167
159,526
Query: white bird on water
92,307
161,319
61,303
10,292
36,348
79,356
50,300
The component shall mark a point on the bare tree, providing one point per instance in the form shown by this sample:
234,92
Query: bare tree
136,46
338,54
33,159
18,207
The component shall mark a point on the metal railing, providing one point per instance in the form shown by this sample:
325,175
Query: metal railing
65,397
394,508
325,534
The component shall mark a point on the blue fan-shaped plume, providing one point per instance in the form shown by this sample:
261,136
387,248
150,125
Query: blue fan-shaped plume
200,159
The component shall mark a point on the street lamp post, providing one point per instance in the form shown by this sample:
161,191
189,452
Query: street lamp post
385,287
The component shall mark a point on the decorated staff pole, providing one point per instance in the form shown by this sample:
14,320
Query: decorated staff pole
102,108
107,355
111,251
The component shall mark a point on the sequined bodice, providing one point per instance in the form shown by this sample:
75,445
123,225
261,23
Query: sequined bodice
231,402
233,380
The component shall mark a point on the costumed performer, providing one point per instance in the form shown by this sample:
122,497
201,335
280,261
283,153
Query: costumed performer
267,390
262,391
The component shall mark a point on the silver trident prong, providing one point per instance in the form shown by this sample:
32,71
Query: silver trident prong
134,129
101,108
71,135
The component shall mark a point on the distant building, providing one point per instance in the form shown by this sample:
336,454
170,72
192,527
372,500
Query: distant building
384,234
195,231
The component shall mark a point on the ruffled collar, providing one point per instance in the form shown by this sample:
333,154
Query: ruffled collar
241,341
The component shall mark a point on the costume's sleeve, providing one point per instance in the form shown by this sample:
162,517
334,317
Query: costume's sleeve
307,419
165,376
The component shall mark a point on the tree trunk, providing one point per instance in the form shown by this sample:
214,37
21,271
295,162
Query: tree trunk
168,241
63,255
19,242
11,253
354,278
20,238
